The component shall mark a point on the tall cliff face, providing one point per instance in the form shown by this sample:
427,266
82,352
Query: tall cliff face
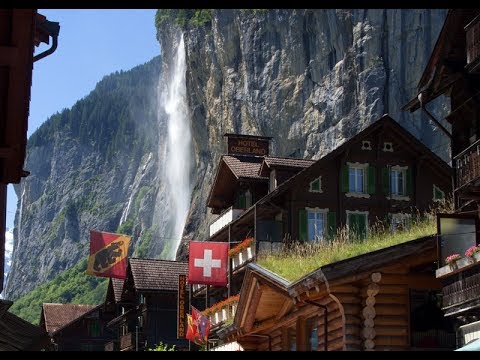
308,78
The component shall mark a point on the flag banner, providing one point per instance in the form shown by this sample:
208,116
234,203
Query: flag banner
198,327
203,325
207,263
108,254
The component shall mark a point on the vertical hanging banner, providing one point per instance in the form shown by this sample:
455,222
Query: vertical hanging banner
108,254
207,263
181,325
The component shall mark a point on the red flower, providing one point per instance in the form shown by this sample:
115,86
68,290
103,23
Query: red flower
240,247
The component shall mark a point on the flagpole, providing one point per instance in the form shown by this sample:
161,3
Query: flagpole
190,307
207,295
229,289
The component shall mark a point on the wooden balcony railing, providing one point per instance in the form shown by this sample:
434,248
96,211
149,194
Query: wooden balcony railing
468,165
462,290
473,40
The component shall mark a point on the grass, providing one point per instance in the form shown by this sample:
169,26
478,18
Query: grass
300,259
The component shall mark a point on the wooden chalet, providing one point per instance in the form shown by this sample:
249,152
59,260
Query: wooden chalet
382,174
17,334
383,300
73,327
20,31
453,70
147,305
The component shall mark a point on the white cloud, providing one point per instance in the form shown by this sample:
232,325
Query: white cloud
8,247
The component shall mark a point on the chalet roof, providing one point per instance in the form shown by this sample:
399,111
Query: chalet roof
18,334
271,161
244,166
57,316
154,274
232,168
447,54
117,288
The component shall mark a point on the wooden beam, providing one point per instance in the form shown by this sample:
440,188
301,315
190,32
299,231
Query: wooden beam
256,294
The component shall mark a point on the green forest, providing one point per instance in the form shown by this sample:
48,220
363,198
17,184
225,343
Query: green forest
71,286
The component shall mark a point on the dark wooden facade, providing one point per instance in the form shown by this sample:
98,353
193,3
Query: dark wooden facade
453,70
20,31
146,306
73,327
383,300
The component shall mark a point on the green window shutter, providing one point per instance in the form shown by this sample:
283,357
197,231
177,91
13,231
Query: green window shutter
371,177
302,225
409,182
241,201
331,224
345,178
386,180
362,226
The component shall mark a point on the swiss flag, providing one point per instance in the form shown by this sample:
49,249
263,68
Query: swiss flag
207,263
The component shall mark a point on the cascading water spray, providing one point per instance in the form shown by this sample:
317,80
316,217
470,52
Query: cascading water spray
178,159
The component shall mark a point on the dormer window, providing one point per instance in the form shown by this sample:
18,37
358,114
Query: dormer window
316,185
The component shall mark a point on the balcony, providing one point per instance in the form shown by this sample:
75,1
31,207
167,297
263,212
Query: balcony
242,258
223,311
473,45
464,290
468,167
224,219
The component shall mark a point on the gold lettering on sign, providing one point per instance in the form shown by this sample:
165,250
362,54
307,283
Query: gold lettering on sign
181,325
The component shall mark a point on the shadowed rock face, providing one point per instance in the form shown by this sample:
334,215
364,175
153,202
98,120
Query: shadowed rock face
309,78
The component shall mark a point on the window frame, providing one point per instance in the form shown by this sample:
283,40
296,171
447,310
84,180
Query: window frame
310,189
358,166
395,196
324,213
357,212
405,218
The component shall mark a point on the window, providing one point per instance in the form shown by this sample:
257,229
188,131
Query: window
387,146
366,145
358,180
244,200
400,221
312,334
316,185
142,299
357,222
438,194
316,224
273,180
397,182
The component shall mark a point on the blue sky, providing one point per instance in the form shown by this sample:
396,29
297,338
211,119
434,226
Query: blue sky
91,44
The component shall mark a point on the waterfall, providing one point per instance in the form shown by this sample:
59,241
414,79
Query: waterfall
178,149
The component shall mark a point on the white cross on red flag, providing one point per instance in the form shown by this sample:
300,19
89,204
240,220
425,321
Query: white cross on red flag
207,263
